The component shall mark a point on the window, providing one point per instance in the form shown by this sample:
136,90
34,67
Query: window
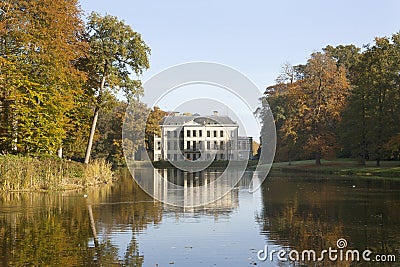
194,145
243,145
232,133
222,156
221,145
215,145
187,144
208,134
201,145
188,133
168,134
168,145
175,157
194,133
194,157
175,134
208,144
215,133
221,133
200,133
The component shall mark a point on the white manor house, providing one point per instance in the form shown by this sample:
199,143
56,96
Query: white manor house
195,137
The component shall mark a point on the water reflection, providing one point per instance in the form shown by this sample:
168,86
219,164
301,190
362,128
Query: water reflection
119,224
189,189
55,228
313,213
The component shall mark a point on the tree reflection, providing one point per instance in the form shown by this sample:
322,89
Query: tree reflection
313,213
54,228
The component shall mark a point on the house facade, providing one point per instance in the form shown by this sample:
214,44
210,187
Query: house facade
195,137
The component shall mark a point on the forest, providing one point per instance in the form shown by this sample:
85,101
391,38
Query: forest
344,102
61,73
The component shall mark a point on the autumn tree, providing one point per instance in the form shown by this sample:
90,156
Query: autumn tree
322,94
115,51
40,42
153,126
307,103
281,100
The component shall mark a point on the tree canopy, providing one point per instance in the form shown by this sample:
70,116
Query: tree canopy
342,102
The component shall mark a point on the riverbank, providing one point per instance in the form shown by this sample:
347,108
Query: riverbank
19,173
389,169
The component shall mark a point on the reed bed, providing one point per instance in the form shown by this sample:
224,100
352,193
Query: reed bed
19,173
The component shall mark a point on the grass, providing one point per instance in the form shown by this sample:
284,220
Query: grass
18,173
342,167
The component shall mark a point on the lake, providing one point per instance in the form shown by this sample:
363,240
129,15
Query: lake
119,224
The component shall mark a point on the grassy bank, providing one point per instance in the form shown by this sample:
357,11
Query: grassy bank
341,167
31,174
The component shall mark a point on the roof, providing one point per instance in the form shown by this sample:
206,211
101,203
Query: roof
205,120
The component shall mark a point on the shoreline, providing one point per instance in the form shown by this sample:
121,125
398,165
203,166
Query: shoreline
389,169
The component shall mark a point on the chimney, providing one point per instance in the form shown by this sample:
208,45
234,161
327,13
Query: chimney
215,112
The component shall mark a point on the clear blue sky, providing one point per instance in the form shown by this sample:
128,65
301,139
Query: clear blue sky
255,37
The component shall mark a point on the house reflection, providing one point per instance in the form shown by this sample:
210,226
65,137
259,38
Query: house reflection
194,191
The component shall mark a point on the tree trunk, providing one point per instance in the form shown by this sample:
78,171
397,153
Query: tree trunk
318,159
92,131
378,162
93,226
95,117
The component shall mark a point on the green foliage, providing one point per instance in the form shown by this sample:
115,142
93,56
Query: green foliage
371,118
39,45
134,124
115,51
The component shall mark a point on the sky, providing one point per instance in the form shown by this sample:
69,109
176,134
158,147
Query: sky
254,37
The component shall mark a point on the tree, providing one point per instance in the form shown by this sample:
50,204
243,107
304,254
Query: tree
112,123
345,55
153,126
40,42
281,99
307,103
322,94
377,88
115,51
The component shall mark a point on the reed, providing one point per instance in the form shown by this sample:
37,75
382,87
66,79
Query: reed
19,173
